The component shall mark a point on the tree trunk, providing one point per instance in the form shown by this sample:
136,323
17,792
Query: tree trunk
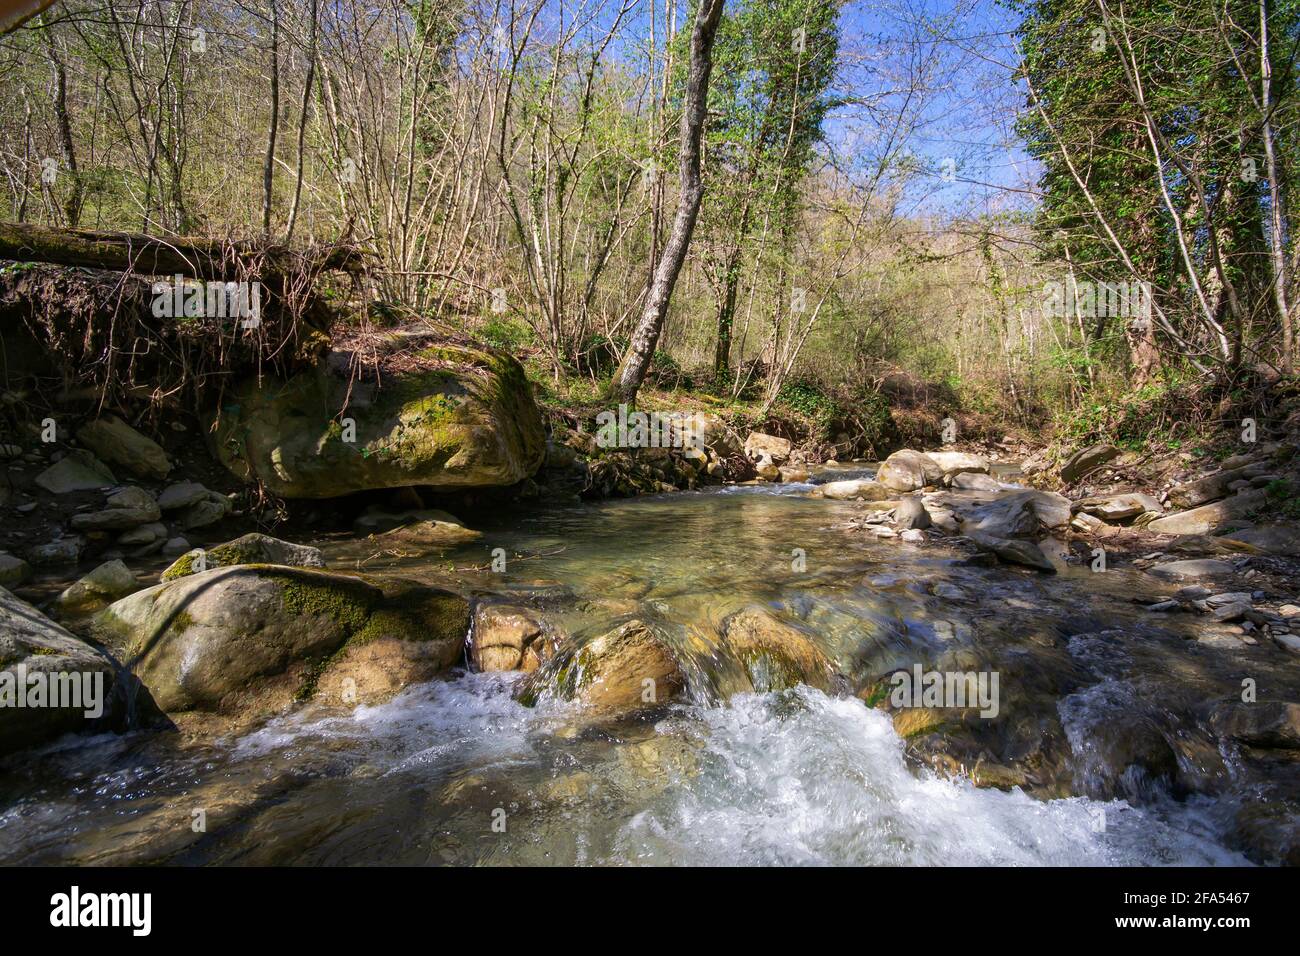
632,370
152,256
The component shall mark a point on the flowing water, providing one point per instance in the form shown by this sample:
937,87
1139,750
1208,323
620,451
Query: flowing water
456,771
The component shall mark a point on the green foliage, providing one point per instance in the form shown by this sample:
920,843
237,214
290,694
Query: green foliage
509,335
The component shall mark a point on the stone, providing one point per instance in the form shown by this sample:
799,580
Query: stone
766,469
507,639
909,470
959,462
1212,487
249,640
1231,612
176,545
1118,508
13,571
422,412
252,548
910,514
181,495
1013,551
65,550
1207,518
1281,538
973,481
1289,610
912,536
774,654
207,511
78,470
144,535
1191,569
855,489
758,445
117,443
619,672
1269,724
426,527
34,648
109,582
125,509
1087,460
793,474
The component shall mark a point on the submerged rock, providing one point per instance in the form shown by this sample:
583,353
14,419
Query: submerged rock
775,655
1192,569
1013,550
621,671
427,528
439,414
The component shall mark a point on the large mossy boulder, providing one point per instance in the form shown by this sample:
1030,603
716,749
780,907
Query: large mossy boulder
249,640
75,681
414,411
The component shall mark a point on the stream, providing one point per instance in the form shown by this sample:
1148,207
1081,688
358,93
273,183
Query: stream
457,772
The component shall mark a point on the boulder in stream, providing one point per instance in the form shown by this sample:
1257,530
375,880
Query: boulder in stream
51,682
909,470
249,640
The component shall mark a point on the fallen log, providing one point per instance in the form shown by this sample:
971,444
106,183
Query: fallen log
209,259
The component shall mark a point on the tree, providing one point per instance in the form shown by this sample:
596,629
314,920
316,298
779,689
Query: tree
636,361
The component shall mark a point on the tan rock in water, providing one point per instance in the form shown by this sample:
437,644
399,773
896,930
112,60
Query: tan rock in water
909,470
507,639
776,655
621,671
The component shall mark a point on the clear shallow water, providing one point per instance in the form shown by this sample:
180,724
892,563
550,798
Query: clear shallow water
798,777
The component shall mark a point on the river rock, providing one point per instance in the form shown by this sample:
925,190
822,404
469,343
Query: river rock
860,489
793,473
774,654
776,450
1269,724
109,582
1013,550
623,670
1207,518
117,443
65,550
439,414
208,510
13,571
78,470
1192,569
974,481
1117,508
1281,539
767,469
909,470
181,495
145,535
427,528
125,509
1087,460
959,462
507,639
250,639
34,650
911,514
253,548
1215,486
